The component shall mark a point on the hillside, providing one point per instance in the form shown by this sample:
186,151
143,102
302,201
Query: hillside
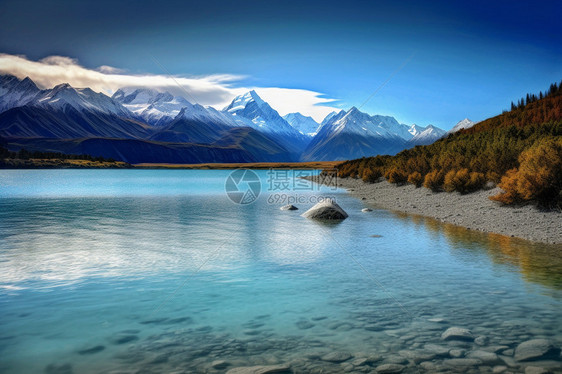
520,149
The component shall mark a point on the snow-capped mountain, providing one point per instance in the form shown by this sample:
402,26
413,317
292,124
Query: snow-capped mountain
415,129
305,125
426,136
354,134
64,96
16,92
155,107
329,117
145,125
196,124
461,125
355,121
250,110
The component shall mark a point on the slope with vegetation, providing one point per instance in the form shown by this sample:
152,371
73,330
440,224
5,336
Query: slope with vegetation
520,149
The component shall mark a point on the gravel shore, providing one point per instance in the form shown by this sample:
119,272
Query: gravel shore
473,211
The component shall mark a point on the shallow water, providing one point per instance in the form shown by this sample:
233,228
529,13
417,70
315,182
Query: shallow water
158,271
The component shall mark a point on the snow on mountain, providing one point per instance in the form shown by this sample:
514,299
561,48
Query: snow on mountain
305,125
354,134
251,111
15,92
260,115
461,125
207,114
427,136
355,121
415,130
329,117
155,107
64,96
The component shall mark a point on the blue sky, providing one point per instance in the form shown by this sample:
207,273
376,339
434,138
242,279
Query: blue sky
470,59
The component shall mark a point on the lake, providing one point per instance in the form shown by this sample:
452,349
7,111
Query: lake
126,271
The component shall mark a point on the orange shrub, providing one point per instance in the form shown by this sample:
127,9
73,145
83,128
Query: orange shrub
463,181
371,175
539,176
433,180
416,179
396,176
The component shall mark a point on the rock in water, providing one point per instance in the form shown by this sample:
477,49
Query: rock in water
535,349
536,370
327,209
390,368
260,369
488,358
365,210
336,357
289,207
457,333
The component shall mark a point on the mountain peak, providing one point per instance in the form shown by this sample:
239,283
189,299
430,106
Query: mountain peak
62,87
304,124
241,101
461,125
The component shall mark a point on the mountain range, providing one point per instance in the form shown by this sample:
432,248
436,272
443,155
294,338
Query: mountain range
139,125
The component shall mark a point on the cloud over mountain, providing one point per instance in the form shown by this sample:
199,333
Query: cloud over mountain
214,90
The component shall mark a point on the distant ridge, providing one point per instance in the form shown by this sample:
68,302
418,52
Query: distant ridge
147,125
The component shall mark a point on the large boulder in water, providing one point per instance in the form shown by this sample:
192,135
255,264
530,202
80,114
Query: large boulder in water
327,209
536,349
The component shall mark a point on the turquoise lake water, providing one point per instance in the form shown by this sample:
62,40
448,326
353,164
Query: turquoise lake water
126,271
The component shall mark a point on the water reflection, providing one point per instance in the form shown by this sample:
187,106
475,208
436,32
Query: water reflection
536,262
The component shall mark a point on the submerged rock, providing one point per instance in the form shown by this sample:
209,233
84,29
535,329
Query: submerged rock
487,358
390,368
336,357
289,207
536,370
219,364
535,349
457,333
327,209
456,362
261,369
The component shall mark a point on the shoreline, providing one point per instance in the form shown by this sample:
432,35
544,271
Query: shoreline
472,211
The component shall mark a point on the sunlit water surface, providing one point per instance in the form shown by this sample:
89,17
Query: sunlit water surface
158,271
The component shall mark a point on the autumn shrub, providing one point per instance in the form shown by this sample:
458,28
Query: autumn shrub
509,185
396,176
539,176
371,175
416,179
475,182
463,181
433,180
454,178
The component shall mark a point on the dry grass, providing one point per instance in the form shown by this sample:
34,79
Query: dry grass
251,165
55,163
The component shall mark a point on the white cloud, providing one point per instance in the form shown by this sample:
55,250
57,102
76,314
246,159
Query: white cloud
214,90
